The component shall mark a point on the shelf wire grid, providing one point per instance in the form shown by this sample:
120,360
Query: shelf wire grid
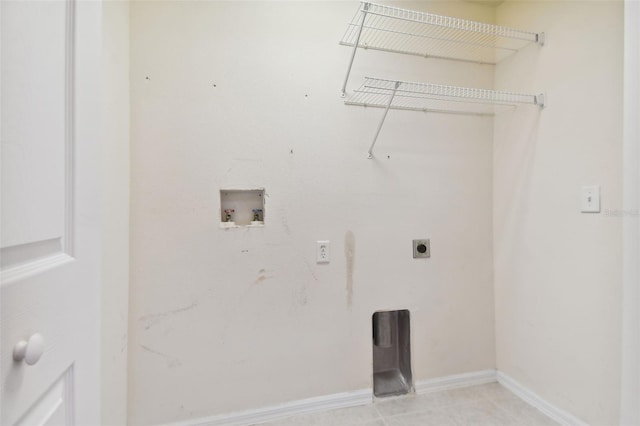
375,92
425,34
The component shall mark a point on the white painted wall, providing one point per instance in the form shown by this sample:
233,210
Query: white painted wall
246,94
558,272
630,409
115,201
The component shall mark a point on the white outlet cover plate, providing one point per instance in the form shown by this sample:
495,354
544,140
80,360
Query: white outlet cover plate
323,251
590,199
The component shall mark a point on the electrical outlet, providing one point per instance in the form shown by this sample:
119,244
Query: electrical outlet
323,251
421,248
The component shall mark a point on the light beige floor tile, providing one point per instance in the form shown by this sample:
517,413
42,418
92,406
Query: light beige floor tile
482,405
341,417
524,413
414,403
424,418
539,419
379,422
496,392
467,395
480,413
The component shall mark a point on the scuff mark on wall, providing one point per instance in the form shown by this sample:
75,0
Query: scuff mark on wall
285,221
172,362
153,319
302,296
262,276
247,160
349,254
311,271
299,298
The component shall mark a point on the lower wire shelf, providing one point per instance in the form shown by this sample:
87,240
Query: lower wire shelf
404,95
376,92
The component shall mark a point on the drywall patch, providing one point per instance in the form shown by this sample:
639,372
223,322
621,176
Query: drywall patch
349,253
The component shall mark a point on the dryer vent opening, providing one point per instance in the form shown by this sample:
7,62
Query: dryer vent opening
391,353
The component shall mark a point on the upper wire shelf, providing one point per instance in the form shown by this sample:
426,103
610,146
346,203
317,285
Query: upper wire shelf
392,29
376,92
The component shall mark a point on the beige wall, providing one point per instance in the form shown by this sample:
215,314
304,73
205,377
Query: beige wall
115,242
246,94
630,409
558,271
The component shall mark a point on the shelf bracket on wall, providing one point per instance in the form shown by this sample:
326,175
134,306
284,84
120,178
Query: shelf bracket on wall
365,9
384,116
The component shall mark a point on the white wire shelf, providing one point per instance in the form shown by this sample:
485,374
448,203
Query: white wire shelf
394,94
375,92
392,29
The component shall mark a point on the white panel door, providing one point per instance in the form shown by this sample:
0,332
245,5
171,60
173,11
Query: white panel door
50,235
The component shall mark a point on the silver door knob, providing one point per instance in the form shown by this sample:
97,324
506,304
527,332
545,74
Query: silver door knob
30,351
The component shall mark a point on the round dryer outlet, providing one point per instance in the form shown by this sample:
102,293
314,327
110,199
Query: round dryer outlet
421,248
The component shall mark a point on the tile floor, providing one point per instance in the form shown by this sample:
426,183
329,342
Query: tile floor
482,405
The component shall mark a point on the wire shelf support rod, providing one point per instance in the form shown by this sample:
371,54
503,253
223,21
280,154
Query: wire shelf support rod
384,116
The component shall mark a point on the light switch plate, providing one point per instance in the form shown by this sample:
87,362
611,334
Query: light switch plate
590,199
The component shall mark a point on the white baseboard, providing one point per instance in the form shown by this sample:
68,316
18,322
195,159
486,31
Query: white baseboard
365,396
334,401
274,412
456,381
557,414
